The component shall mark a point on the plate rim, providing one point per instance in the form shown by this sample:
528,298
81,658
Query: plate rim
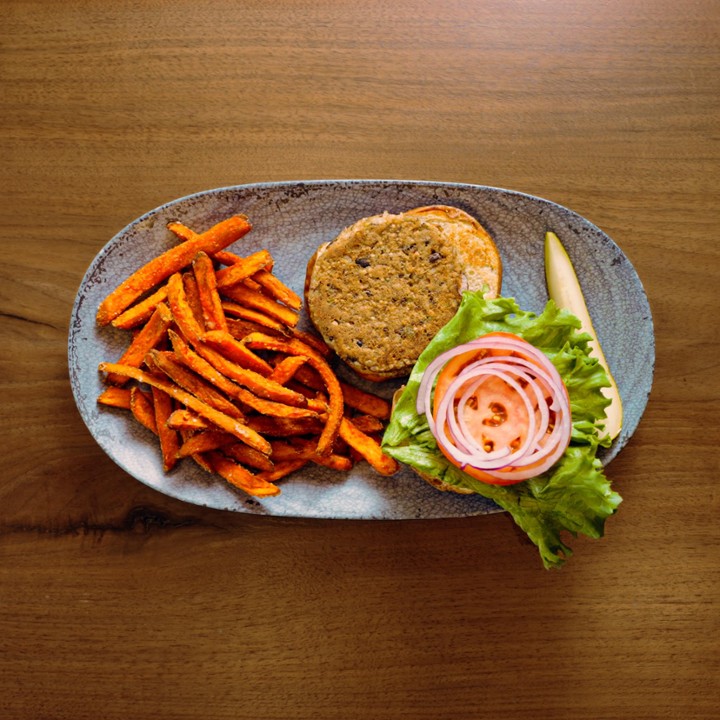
381,184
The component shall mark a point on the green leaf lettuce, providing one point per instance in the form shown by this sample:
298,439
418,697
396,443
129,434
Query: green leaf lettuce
573,496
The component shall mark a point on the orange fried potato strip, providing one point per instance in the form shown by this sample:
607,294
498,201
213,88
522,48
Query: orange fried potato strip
187,380
140,311
182,311
224,422
335,401
142,408
255,299
151,334
369,448
243,268
164,265
303,448
240,477
169,438
183,419
207,285
115,397
236,351
206,370
204,442
247,456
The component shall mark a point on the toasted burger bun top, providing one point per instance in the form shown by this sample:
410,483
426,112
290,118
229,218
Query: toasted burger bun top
383,288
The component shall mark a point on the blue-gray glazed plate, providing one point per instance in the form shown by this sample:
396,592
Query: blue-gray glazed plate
291,219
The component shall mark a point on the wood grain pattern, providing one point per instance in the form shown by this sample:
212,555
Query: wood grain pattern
116,601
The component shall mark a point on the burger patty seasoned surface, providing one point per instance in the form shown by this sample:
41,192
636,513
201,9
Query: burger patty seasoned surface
383,288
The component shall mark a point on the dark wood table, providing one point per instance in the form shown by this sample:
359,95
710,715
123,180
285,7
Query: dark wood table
117,601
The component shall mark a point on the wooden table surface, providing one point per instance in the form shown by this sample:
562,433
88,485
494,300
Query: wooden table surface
119,602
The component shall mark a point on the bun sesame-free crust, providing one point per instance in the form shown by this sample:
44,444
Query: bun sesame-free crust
381,290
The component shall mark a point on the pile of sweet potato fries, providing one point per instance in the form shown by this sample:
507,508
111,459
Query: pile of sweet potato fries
218,370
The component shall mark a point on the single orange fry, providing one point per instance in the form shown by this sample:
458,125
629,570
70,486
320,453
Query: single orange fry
243,268
368,447
149,336
234,310
277,289
204,442
240,477
212,312
141,311
181,310
142,408
193,297
183,419
115,397
169,438
284,371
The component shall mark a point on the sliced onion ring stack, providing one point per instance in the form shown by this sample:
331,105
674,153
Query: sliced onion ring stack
531,377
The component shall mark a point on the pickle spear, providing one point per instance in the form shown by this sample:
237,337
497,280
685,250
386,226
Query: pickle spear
564,288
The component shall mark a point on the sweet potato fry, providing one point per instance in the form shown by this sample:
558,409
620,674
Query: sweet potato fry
369,448
224,422
204,442
183,419
354,397
234,310
181,231
367,423
141,311
316,343
163,266
281,470
225,257
255,300
187,380
142,408
184,233
365,402
199,458
212,312
236,351
169,438
115,397
275,288
202,367
284,427
181,310
301,448
253,381
193,297
335,396
240,328
241,478
247,456
149,336
283,372
243,268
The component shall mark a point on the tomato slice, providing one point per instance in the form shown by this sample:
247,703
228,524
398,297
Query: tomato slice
495,414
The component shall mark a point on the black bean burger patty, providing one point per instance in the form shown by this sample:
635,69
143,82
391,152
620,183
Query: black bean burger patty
383,288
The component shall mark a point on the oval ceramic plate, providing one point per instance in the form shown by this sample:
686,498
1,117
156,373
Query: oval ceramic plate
290,220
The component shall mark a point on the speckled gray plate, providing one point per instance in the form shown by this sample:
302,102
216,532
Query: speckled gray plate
290,220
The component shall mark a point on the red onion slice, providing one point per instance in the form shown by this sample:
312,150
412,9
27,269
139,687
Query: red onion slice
529,375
